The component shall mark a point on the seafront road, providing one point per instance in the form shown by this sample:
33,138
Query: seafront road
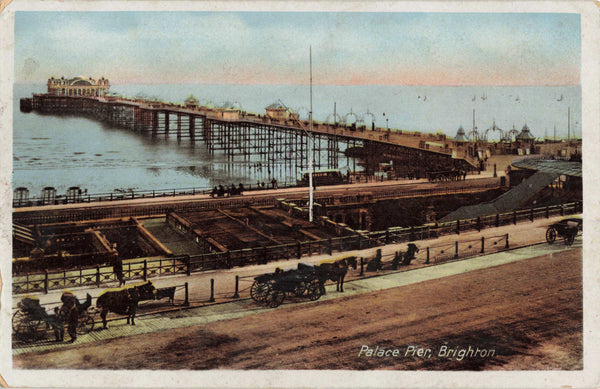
527,240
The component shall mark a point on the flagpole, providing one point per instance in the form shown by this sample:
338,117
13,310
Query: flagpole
310,148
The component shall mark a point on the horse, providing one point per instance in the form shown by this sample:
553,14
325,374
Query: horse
335,270
68,298
408,256
124,301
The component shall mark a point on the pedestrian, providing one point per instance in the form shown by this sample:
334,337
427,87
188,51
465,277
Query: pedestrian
57,325
72,319
118,270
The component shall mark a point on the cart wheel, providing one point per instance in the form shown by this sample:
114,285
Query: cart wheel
85,325
299,290
275,298
550,235
314,291
31,330
17,318
259,291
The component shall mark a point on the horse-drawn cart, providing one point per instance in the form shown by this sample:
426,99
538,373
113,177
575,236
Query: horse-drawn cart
32,323
271,289
567,229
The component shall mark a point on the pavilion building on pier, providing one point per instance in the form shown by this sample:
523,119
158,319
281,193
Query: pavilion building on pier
78,86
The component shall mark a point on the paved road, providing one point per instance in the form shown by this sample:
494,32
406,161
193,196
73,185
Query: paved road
524,236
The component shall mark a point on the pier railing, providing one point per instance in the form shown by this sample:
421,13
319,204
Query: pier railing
154,267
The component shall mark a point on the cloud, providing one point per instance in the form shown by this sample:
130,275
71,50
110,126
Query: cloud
217,47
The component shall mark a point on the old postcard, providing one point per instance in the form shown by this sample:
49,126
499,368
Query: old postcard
292,194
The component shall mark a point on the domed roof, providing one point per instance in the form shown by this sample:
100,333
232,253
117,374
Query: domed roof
230,105
191,100
275,106
460,134
525,134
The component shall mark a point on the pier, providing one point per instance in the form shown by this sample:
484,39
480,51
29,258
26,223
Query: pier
276,139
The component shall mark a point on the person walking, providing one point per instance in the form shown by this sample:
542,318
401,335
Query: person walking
72,319
118,270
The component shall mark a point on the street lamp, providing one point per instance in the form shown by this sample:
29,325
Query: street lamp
310,150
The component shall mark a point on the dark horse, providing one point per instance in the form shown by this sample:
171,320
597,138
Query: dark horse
335,271
68,298
408,256
124,300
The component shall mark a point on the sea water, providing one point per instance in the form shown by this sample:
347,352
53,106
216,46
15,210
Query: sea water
65,151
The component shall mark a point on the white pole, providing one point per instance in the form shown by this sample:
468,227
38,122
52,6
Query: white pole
310,148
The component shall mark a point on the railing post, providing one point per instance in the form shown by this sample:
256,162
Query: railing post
531,214
458,227
298,250
455,249
478,223
212,291
514,217
236,293
146,270
188,265
562,210
46,281
329,246
387,236
360,246
506,242
547,212
482,245
186,302
497,220
412,233
427,260
362,262
97,276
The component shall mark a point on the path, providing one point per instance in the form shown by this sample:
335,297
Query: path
239,308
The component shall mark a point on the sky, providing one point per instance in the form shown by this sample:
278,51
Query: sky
502,49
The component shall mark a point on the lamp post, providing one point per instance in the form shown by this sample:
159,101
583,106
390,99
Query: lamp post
310,148
309,151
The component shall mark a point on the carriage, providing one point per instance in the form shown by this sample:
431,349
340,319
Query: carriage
31,322
271,289
567,228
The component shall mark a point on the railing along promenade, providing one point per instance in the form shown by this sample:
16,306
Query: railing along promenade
154,267
154,203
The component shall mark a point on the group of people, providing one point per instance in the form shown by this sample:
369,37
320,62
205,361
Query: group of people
262,185
68,313
220,191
